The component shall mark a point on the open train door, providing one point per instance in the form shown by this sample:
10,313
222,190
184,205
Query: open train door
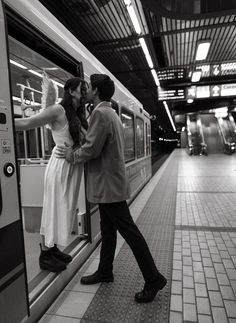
13,283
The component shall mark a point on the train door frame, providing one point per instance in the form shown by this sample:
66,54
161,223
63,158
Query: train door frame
13,276
18,26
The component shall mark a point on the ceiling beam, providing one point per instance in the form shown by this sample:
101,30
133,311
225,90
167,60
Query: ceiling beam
113,42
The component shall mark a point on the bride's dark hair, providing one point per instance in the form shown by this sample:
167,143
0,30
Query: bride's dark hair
75,119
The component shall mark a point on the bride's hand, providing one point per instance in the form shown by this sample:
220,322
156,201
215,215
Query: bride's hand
23,107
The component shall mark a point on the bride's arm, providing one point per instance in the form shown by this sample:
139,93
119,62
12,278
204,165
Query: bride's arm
46,116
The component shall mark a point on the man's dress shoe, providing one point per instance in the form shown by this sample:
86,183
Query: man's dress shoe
150,290
97,278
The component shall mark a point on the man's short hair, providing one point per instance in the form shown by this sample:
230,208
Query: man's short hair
104,84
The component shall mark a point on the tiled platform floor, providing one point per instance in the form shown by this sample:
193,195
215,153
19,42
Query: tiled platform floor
203,286
204,266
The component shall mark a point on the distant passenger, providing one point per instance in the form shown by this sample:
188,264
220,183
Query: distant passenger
62,179
107,185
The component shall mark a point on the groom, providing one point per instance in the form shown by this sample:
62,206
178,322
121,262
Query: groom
108,186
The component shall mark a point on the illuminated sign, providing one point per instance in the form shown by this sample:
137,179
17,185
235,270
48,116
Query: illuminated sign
171,74
215,90
203,91
216,70
191,92
228,89
197,92
172,94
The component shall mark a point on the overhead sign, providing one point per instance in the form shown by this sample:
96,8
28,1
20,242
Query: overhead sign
171,74
219,90
191,92
215,70
228,89
203,91
170,94
215,90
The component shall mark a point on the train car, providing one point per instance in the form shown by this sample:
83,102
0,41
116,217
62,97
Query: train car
35,41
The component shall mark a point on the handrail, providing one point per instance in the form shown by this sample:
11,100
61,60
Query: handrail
221,131
35,107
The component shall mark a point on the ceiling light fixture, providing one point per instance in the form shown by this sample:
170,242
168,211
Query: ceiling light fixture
133,16
18,64
169,115
58,84
196,76
125,116
202,50
142,41
146,52
35,73
154,74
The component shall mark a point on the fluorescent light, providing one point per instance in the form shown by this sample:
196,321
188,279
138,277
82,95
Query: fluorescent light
18,64
50,68
133,17
35,73
154,74
144,46
169,115
125,116
146,52
202,50
183,129
58,84
190,100
196,76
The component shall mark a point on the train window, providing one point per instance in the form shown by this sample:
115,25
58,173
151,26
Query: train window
148,139
128,123
139,137
26,68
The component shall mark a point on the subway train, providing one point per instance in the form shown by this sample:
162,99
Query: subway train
33,41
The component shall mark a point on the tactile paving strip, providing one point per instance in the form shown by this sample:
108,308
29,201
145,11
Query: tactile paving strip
114,302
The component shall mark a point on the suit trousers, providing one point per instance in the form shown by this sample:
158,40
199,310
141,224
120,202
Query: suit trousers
116,217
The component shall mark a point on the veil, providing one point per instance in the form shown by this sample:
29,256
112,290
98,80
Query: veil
49,92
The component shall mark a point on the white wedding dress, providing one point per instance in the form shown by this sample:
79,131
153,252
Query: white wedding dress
61,192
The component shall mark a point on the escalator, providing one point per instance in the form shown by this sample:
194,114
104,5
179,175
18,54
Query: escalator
213,138
196,142
228,135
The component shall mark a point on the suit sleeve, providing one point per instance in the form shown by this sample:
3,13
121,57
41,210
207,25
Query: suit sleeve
94,140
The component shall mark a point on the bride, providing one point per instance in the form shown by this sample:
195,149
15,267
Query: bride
62,179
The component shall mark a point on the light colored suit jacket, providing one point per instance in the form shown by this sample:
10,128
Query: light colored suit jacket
104,150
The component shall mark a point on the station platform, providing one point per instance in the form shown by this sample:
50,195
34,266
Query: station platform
187,215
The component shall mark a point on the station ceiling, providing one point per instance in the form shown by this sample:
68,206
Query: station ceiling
172,30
